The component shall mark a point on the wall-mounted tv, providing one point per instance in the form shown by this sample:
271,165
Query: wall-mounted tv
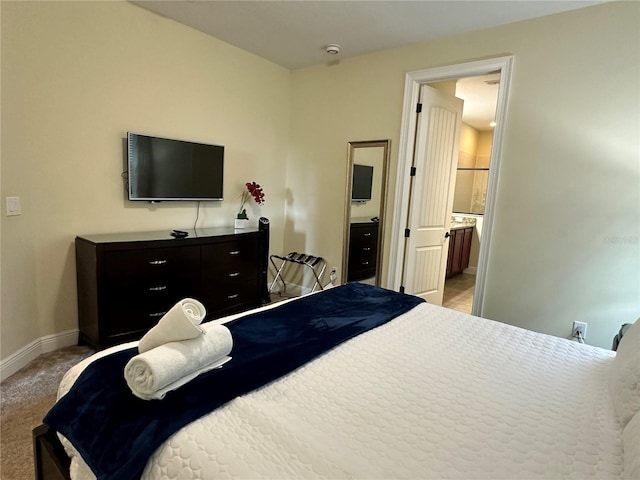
362,182
162,169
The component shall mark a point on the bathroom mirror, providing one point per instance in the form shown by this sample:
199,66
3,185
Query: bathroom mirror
364,211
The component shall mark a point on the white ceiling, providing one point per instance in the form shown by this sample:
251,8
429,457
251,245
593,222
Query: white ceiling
295,33
480,95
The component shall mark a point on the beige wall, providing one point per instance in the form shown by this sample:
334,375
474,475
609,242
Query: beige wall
76,76
468,146
485,141
565,239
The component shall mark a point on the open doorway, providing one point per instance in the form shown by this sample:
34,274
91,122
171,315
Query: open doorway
480,96
401,221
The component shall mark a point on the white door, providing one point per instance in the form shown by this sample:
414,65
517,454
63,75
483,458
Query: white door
431,201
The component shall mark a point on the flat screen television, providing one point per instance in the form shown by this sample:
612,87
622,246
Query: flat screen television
362,182
162,169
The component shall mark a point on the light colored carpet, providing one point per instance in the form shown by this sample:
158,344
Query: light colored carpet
25,398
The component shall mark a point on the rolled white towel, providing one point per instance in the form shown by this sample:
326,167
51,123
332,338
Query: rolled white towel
150,375
181,322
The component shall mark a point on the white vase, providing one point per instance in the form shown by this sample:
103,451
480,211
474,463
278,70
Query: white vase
241,223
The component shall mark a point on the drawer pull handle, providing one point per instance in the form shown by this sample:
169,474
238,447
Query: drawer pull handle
366,249
234,274
157,262
157,289
231,297
158,314
365,263
234,252
367,234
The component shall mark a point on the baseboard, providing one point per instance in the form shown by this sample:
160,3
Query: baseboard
470,270
22,357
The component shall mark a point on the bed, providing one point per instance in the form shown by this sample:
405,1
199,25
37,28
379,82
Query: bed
429,393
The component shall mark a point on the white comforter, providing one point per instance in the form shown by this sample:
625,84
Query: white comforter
433,394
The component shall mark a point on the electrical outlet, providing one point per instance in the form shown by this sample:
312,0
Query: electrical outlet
333,274
579,327
13,206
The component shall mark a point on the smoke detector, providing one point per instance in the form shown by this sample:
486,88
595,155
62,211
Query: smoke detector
333,49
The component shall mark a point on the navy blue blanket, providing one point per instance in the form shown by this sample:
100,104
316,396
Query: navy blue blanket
116,432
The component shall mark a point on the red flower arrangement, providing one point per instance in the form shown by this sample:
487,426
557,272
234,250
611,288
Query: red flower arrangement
253,190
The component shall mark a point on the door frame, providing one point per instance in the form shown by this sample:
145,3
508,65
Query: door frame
413,81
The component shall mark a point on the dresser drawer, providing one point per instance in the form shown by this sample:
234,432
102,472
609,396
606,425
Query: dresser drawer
361,253
364,235
229,276
362,261
151,266
229,299
135,316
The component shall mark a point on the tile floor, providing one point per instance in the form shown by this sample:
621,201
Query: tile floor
458,292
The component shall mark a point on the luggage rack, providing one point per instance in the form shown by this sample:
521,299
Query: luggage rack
317,266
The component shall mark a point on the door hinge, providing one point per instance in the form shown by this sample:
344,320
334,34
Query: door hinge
401,288
412,173
418,108
407,232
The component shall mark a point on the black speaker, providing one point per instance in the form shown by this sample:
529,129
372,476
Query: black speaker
263,227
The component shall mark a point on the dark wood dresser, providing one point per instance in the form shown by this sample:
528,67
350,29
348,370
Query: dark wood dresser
363,250
128,281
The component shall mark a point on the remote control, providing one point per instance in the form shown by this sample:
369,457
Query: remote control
179,234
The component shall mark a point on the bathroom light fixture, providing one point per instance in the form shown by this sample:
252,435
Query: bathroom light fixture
333,49
492,124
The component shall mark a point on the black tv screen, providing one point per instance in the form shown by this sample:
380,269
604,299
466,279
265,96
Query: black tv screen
362,181
166,169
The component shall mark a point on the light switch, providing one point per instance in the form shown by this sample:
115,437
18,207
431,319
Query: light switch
13,206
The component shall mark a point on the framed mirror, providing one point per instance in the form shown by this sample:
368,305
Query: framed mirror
364,211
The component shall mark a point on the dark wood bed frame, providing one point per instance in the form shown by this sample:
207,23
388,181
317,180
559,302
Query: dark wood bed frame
50,460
